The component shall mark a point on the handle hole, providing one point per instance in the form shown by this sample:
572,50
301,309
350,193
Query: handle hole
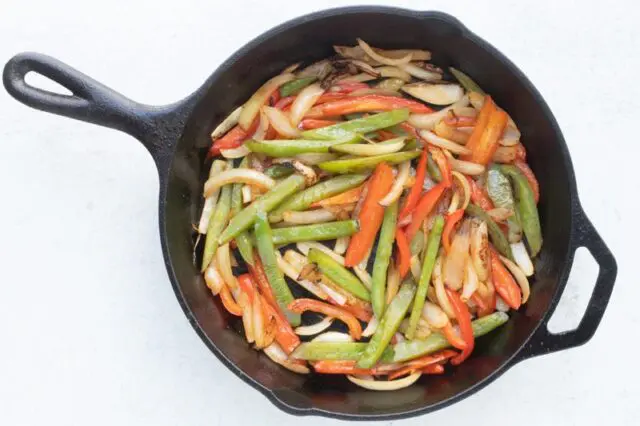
574,301
41,82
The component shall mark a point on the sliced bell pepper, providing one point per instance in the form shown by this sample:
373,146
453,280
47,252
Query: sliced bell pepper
338,351
216,224
383,255
410,130
463,317
340,367
329,97
531,178
301,305
424,362
499,189
488,107
484,146
366,103
314,123
338,274
355,165
284,103
315,232
483,307
350,86
424,207
504,283
274,98
260,277
361,125
228,302
466,81
285,336
460,121
450,222
247,286
370,216
498,238
416,189
404,253
453,337
294,86
233,138
443,165
479,196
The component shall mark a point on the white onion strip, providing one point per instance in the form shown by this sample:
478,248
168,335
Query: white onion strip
209,206
227,124
280,122
441,294
466,167
308,217
303,103
436,94
333,336
466,189
213,278
522,258
293,271
369,150
223,262
434,315
443,143
313,329
394,72
371,327
398,184
233,153
259,98
383,59
277,355
470,284
341,245
520,277
428,121
421,73
385,385
246,176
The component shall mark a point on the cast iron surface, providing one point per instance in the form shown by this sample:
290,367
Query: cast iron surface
177,138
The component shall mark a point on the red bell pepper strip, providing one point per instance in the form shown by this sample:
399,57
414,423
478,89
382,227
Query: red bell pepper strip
283,103
366,103
285,336
229,304
340,367
463,317
329,97
460,121
260,277
247,286
275,97
484,146
433,369
479,196
449,224
233,138
482,305
424,207
531,178
504,283
301,305
358,308
404,253
350,86
386,135
314,123
370,215
443,164
416,189
453,337
410,130
424,362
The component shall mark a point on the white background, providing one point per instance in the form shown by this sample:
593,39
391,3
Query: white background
90,331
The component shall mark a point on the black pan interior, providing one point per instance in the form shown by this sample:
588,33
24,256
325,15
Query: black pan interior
311,39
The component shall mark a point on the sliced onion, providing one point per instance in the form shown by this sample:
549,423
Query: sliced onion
358,78
227,124
428,121
291,68
303,103
247,195
247,321
341,211
434,315
443,143
438,284
505,154
399,337
217,167
500,214
361,271
313,329
383,59
277,355
310,176
511,135
213,279
470,282
333,336
263,127
416,268
293,272
280,122
369,150
259,98
308,217
356,52
393,282
479,248
522,258
374,91
246,176
398,184
385,385
371,327
312,158
520,277
501,305
454,265
466,189
466,167
304,248
223,259
258,323
341,245
318,69
476,99
394,72
421,73
334,295
233,153
436,94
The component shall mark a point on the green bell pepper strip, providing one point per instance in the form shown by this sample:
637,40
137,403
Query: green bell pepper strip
267,202
216,224
499,190
339,274
278,171
315,232
267,253
243,241
410,145
466,81
320,191
338,351
381,263
359,125
290,147
433,244
388,325
294,86
410,349
497,236
527,209
364,163
433,169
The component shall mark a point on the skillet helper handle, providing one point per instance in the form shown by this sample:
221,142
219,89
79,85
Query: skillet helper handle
90,100
543,341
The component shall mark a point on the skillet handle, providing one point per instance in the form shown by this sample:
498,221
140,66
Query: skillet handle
543,341
90,101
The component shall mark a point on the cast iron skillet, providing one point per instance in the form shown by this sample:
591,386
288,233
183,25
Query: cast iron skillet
177,138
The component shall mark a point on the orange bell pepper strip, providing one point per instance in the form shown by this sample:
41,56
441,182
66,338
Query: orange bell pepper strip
460,121
443,164
370,215
416,189
410,130
349,86
301,305
403,261
463,317
504,283
366,103
426,362
486,145
386,135
424,207
260,277
481,123
329,97
314,123
228,302
359,309
531,178
482,305
348,197
453,337
479,196
340,367
433,369
449,224
284,334
247,286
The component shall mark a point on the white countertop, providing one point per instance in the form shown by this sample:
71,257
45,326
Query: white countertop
90,330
